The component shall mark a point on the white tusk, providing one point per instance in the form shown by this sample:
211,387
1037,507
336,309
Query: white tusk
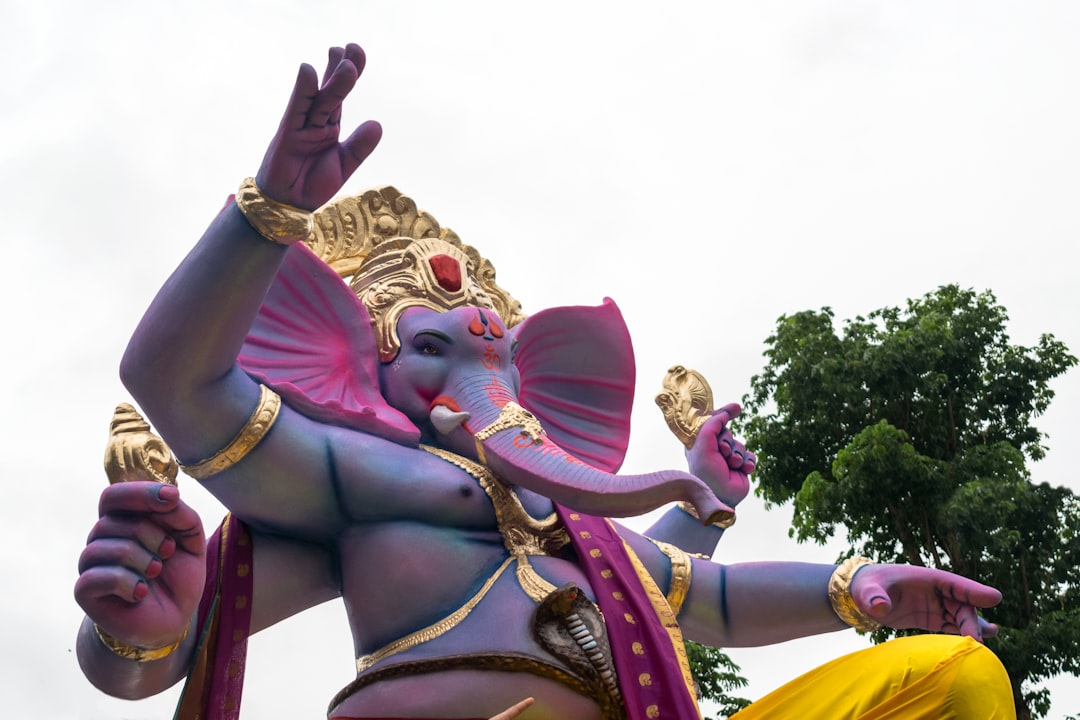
446,420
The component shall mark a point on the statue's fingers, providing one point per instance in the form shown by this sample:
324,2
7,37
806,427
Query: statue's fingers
160,504
989,629
335,55
332,94
109,583
109,552
967,623
715,426
140,498
355,53
871,597
749,463
359,145
514,711
739,455
149,535
733,410
304,91
970,592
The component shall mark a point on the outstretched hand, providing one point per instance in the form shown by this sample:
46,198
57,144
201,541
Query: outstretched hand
719,459
306,165
908,596
142,572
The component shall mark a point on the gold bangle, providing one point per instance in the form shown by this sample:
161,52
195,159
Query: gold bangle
260,422
138,654
277,222
840,595
681,574
727,517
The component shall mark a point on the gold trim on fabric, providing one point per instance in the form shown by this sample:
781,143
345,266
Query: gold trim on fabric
681,574
254,430
667,618
431,631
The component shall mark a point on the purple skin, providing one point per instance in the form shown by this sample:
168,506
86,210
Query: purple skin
725,465
367,504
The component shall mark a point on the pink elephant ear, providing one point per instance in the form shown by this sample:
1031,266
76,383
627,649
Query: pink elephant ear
577,377
313,343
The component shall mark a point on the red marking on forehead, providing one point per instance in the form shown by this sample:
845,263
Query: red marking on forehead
476,326
447,272
486,325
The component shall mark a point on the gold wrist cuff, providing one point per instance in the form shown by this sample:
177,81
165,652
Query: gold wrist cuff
277,222
727,517
138,654
260,422
840,595
681,574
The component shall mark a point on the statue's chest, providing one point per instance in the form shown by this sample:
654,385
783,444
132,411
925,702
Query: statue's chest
435,488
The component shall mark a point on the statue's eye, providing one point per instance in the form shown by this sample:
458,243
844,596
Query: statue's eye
429,349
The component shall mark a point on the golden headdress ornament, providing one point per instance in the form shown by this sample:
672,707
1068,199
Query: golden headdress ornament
394,256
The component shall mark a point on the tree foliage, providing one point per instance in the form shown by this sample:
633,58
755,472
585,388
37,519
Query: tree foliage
716,676
911,430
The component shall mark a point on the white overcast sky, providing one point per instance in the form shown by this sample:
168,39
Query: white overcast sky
709,165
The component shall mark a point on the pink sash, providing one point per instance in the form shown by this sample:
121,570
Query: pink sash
647,645
216,680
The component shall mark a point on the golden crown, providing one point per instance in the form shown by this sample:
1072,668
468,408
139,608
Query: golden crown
395,256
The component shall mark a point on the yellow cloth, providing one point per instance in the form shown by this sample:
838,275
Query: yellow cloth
925,677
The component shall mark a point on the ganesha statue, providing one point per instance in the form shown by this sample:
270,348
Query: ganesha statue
387,426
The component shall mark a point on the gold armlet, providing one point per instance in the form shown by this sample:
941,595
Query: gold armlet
277,222
138,654
681,574
260,422
727,518
840,595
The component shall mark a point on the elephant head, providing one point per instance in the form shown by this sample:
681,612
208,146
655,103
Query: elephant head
421,351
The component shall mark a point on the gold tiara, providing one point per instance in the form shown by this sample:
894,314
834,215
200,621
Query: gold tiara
395,256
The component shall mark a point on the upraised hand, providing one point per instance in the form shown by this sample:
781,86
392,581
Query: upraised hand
306,165
142,572
908,596
719,459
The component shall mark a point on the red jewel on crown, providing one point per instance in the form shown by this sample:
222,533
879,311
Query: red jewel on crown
447,272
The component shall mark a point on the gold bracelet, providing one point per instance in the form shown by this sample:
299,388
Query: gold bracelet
840,595
277,222
260,422
727,517
138,654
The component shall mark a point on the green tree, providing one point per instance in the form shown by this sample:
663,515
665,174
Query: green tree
911,430
716,676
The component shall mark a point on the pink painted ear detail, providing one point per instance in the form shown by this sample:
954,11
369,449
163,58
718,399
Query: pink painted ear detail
312,341
577,377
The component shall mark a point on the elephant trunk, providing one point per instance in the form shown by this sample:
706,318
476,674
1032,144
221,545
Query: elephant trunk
509,440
